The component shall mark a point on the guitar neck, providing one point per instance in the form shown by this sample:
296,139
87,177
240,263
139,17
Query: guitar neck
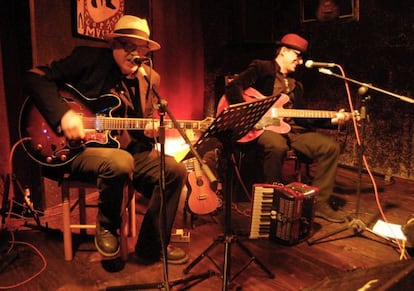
302,113
115,123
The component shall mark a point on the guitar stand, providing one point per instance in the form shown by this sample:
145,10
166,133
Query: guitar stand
232,123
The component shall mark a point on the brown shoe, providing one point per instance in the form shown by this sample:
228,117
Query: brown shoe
325,211
176,255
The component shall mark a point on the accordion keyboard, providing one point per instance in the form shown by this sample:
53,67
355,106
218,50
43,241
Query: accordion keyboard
261,207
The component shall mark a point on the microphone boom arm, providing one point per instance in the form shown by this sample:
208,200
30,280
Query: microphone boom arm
369,86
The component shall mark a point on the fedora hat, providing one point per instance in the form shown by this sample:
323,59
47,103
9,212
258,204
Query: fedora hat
294,41
134,28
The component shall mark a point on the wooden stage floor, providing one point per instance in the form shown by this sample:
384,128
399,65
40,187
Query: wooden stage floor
347,260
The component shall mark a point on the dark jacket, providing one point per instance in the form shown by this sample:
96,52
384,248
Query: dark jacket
265,77
92,71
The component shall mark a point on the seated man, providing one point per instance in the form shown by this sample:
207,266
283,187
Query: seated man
95,72
273,77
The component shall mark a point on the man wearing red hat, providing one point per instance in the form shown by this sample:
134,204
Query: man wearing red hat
273,77
120,70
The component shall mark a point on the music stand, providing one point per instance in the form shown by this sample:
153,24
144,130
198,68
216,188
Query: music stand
230,125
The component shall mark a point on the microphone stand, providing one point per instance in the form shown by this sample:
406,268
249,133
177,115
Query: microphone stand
355,223
162,107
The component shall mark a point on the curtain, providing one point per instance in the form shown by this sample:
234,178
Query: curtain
176,25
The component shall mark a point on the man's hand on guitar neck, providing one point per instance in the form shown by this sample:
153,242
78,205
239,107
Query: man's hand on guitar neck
152,129
72,125
341,117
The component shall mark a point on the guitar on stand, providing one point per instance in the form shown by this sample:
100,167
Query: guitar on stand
201,198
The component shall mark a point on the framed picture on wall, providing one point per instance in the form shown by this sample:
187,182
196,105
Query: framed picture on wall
95,18
329,10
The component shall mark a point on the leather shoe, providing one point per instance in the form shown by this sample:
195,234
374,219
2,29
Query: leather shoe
325,211
176,255
106,241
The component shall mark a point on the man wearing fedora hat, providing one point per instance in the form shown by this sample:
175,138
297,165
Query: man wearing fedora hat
118,69
273,77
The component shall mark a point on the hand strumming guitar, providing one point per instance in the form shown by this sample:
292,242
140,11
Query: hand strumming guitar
72,125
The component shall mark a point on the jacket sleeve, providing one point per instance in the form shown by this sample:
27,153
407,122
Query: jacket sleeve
83,68
234,90
45,95
259,74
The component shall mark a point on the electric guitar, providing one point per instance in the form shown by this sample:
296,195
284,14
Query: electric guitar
273,119
52,149
201,199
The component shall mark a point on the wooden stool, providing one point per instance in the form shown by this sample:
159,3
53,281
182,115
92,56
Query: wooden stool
128,218
299,159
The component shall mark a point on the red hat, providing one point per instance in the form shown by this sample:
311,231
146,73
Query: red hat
294,41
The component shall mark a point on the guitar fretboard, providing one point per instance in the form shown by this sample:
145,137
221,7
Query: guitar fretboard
114,123
298,113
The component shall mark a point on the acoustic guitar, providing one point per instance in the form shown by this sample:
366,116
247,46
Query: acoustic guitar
201,198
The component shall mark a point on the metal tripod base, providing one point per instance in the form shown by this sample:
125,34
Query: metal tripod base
186,283
355,224
227,240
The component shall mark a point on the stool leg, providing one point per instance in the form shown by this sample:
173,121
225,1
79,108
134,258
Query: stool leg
82,209
67,233
298,168
123,239
127,220
132,216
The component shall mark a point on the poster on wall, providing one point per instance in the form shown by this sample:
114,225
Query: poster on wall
95,18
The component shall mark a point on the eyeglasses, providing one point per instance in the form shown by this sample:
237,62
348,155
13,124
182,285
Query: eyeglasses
298,53
130,47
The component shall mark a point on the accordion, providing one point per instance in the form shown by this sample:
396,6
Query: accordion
283,213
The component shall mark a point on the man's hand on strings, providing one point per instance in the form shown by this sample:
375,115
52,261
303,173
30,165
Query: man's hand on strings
72,125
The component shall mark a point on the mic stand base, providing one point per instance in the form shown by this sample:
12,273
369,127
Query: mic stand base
227,240
354,224
186,283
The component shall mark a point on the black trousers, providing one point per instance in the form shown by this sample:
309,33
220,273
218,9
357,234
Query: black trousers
314,145
146,179
112,168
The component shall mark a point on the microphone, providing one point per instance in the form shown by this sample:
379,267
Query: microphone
311,64
138,60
